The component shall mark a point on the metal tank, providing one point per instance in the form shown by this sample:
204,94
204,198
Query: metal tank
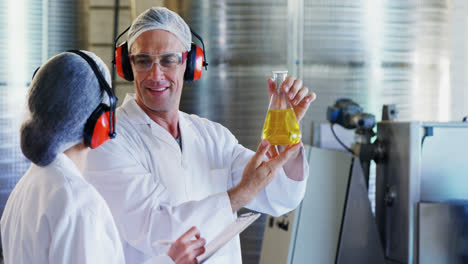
373,52
244,41
408,53
382,52
48,28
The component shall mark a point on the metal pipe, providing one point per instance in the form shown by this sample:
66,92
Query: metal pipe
116,29
132,9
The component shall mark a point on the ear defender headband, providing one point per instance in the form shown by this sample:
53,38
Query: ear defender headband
196,60
100,126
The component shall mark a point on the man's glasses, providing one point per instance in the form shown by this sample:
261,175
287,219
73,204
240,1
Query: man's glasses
167,62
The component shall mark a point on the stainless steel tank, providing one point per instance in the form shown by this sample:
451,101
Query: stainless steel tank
48,28
245,41
374,52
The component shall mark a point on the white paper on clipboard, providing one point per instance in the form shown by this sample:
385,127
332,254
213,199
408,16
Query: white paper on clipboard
236,227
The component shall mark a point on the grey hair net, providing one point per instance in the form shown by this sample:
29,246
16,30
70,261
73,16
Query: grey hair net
160,18
63,94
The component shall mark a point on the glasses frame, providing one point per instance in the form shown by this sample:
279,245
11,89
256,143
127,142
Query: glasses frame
156,59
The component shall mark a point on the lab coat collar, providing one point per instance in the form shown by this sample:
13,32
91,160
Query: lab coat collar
63,162
139,117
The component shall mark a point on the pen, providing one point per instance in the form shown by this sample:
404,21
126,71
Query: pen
246,214
163,242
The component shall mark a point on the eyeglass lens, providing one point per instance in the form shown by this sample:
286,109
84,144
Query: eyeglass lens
168,61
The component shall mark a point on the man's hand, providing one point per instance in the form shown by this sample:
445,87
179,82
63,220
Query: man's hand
297,94
258,173
185,250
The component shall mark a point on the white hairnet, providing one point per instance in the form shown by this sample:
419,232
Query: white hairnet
160,18
62,96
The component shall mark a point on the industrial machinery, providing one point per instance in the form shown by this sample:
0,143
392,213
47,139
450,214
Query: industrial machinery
421,201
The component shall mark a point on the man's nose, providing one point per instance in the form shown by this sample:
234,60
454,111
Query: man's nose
156,73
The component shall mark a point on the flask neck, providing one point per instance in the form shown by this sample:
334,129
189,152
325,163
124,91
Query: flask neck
279,81
279,77
279,100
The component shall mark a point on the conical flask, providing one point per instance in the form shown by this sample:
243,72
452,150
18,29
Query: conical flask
281,127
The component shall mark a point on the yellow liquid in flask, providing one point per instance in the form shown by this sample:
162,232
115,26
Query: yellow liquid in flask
281,127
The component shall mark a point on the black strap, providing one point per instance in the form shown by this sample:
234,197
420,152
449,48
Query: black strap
205,63
105,86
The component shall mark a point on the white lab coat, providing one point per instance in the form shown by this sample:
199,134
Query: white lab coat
54,216
156,191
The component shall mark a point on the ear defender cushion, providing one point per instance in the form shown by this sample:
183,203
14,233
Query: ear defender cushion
97,127
194,67
122,62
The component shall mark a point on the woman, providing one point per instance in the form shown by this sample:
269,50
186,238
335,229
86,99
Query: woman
53,215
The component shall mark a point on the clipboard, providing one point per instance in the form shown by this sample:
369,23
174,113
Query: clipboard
236,227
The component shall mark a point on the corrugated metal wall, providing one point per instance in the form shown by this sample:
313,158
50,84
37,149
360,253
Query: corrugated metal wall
412,53
245,41
31,31
380,52
374,52
408,53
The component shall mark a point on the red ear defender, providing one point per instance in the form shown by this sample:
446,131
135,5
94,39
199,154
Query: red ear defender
118,61
195,64
196,60
198,64
122,62
101,131
97,128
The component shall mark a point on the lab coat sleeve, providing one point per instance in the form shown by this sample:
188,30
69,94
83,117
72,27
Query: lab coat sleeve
83,237
281,195
135,199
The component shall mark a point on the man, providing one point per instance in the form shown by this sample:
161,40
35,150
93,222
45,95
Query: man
53,215
167,169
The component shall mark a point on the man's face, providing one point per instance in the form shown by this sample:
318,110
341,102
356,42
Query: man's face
158,89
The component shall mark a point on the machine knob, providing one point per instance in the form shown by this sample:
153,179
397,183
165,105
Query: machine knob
284,224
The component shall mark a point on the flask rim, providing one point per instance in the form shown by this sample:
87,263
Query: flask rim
279,77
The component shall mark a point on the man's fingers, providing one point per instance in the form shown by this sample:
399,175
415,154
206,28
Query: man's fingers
274,151
194,248
309,98
301,108
300,95
288,82
193,231
265,169
197,252
190,250
296,86
284,156
197,243
278,161
271,86
261,152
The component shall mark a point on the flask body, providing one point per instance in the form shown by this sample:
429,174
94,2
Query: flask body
281,126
